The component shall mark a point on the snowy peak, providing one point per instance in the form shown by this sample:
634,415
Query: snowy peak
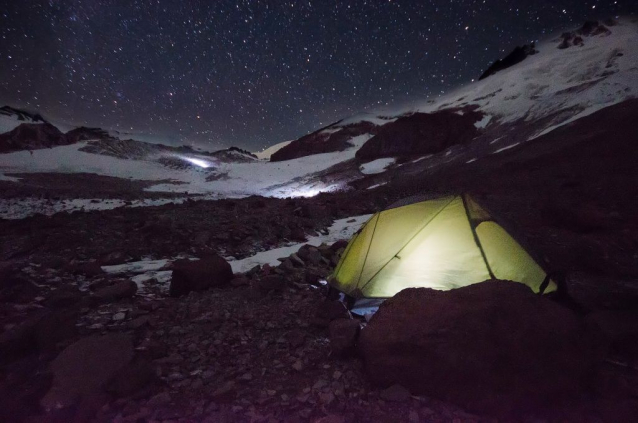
589,29
21,115
519,54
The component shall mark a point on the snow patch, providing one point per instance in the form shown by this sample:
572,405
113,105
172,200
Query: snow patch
377,185
376,166
340,229
482,124
506,148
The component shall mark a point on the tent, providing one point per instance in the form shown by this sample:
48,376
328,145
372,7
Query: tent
443,243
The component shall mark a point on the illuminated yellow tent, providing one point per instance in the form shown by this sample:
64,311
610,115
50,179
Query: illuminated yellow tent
443,244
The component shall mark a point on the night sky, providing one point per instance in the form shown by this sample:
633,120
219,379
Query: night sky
253,73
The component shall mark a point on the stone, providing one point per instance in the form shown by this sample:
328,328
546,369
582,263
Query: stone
297,261
329,310
198,275
41,332
118,291
131,379
395,393
331,418
493,347
240,281
620,330
63,298
89,269
310,254
163,398
85,367
343,335
271,283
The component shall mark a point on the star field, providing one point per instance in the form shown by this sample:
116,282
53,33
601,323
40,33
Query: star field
254,73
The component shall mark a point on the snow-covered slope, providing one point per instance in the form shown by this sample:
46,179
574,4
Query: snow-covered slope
266,153
543,92
503,111
208,175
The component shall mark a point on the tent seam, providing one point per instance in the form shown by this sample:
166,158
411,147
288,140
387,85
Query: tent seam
368,252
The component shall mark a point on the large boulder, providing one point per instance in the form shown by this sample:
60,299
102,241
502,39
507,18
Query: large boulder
41,332
199,275
343,336
86,367
118,291
493,347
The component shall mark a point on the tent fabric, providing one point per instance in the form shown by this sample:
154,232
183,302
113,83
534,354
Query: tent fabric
441,244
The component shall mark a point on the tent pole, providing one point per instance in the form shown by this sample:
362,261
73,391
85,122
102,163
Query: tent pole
476,238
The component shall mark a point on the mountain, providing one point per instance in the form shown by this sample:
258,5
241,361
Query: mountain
32,136
522,98
532,91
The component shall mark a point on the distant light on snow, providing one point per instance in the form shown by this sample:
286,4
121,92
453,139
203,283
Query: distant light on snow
307,191
197,162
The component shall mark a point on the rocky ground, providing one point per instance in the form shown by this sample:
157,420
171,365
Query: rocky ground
256,348
79,344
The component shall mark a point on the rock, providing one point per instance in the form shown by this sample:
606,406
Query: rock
161,399
113,258
576,216
271,283
115,292
90,269
343,336
332,418
297,234
132,378
395,393
119,316
322,141
328,310
41,332
620,328
296,261
225,393
593,291
421,134
310,254
493,347
199,275
62,298
296,338
240,281
54,328
85,367
339,245
517,55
